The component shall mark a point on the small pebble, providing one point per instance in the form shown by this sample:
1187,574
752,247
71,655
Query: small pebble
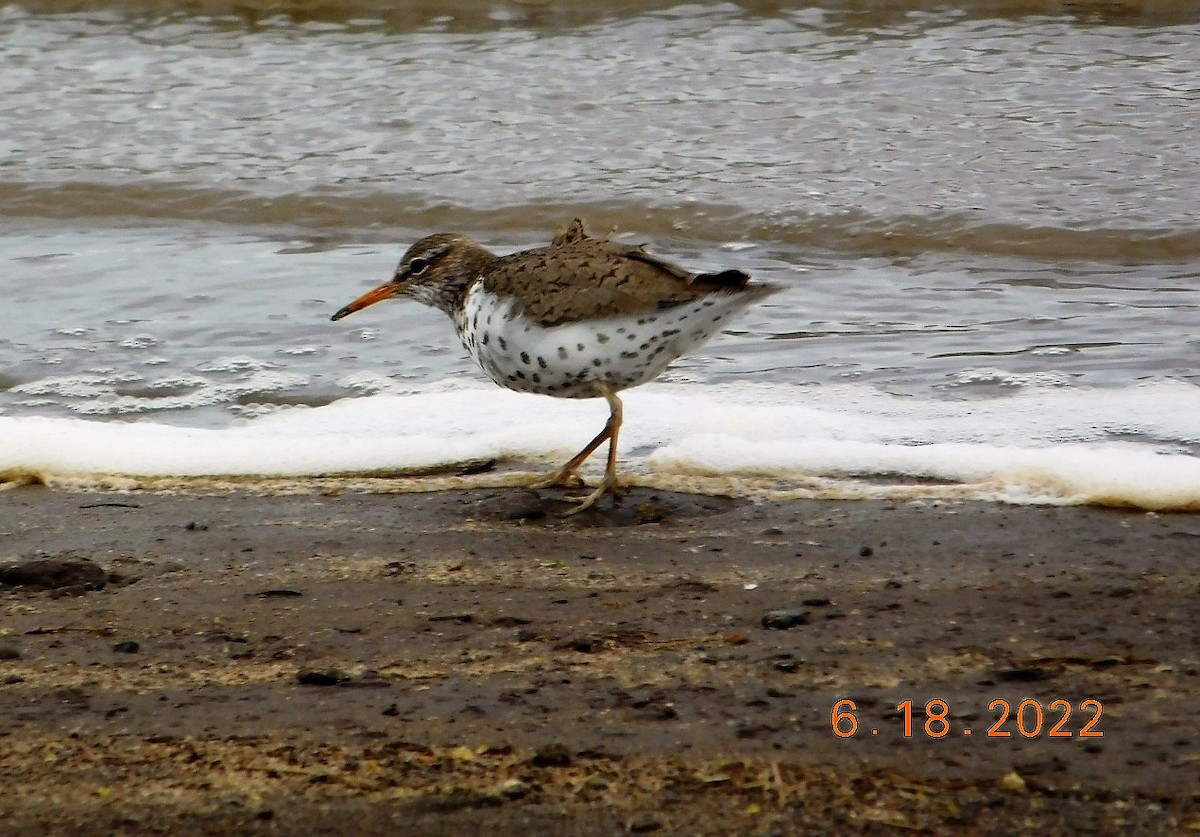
552,755
781,620
127,647
279,594
514,789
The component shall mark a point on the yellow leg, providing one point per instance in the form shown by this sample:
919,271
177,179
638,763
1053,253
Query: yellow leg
567,474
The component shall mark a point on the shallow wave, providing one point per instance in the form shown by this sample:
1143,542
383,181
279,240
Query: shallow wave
377,217
482,14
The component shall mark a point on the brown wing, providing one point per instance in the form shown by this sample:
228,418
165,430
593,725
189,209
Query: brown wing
579,277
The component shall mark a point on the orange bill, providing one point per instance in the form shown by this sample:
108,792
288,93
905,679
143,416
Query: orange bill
384,291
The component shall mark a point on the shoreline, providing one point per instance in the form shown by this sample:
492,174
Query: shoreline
453,659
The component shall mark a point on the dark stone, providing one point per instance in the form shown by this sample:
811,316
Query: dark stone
510,505
552,755
332,677
1022,674
644,823
507,621
820,601
781,620
127,647
455,800
52,573
650,512
9,652
582,644
279,594
865,552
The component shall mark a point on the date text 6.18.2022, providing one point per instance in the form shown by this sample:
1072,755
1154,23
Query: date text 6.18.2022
1059,719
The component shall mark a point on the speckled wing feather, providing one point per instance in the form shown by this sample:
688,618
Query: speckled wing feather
579,277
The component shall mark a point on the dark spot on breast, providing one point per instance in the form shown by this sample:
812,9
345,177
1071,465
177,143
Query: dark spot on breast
525,358
542,362
580,347
536,378
603,338
520,375
595,361
562,352
487,338
630,355
503,344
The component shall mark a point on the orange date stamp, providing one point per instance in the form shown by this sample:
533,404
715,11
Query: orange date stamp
1059,719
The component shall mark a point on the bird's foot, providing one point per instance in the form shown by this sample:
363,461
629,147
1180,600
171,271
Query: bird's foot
608,486
559,479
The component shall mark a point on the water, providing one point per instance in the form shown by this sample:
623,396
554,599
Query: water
992,205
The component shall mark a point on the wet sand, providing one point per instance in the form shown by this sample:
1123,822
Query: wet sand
455,662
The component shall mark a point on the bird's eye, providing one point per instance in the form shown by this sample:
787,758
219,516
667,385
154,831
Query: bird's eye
417,266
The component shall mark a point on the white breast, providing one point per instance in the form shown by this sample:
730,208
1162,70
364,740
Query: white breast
565,360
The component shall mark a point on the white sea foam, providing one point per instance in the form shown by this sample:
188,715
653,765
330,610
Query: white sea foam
1122,446
100,393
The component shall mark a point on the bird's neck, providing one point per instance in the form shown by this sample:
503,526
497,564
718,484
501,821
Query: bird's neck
450,292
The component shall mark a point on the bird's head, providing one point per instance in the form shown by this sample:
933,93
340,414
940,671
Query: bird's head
435,271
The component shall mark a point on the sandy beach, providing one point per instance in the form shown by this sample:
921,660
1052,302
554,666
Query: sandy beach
469,661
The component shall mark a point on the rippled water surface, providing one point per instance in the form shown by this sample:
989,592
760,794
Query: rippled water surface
961,202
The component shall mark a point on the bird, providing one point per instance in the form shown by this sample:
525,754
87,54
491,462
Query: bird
585,317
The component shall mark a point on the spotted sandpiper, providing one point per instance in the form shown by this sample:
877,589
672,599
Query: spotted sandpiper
585,317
